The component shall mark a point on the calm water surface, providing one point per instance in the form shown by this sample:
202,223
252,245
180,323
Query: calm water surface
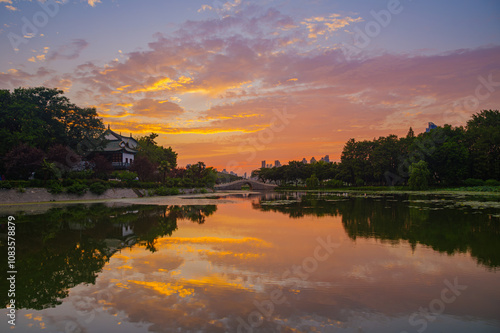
265,263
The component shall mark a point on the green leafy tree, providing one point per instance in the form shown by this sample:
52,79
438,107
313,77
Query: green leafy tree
164,168
410,134
483,141
42,117
294,172
444,149
355,161
384,158
200,176
312,182
419,176
149,148
49,170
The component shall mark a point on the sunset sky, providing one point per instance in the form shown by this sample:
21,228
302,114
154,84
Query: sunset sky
234,83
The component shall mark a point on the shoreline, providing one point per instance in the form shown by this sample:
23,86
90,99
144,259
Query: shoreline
34,196
389,191
40,206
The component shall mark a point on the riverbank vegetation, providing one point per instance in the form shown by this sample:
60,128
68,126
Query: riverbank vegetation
446,156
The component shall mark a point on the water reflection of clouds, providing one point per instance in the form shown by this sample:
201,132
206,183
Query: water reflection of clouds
204,278
175,283
218,278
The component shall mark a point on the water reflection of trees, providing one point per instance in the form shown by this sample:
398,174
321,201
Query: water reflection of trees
65,247
444,229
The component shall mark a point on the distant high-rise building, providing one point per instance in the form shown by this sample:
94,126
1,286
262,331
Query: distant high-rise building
245,175
431,127
269,166
263,164
327,158
313,160
304,160
277,164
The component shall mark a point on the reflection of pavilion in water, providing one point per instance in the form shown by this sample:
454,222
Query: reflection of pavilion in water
124,236
121,235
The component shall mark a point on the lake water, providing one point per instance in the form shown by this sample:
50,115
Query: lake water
263,263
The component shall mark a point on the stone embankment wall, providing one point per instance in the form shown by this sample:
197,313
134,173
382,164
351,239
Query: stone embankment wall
42,195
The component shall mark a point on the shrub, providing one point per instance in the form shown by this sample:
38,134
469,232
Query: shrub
98,188
5,184
166,191
334,183
125,176
19,183
492,182
67,182
186,183
36,183
147,185
77,188
474,182
312,182
85,174
55,187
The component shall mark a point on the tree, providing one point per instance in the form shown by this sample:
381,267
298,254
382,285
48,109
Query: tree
355,159
483,141
321,170
419,176
42,117
444,149
49,171
101,166
410,134
63,156
145,169
164,168
385,157
312,182
294,171
22,161
155,153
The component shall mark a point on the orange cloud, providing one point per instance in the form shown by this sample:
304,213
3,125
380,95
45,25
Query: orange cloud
165,84
252,241
166,289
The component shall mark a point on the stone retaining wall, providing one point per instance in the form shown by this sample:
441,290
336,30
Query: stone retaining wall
42,195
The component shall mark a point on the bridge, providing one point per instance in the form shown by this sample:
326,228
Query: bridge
254,185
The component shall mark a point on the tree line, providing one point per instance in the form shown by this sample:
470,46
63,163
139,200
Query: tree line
444,156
